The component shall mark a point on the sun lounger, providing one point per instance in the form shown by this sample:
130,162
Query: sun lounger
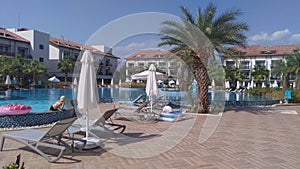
136,100
174,116
34,138
100,123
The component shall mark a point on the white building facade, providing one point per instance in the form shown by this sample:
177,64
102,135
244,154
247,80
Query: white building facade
164,61
40,46
267,56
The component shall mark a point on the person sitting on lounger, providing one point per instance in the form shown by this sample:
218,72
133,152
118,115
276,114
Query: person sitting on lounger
59,105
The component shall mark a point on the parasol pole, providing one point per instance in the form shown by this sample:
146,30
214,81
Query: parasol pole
87,125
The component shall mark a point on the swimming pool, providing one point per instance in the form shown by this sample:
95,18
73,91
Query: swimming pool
41,99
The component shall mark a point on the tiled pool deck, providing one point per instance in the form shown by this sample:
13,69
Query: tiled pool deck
244,138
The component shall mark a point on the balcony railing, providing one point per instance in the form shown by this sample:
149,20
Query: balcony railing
15,54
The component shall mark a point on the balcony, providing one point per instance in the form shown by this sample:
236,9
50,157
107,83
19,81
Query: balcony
15,54
244,67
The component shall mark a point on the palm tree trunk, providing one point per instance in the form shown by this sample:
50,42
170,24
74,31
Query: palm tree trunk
202,85
297,80
285,82
66,76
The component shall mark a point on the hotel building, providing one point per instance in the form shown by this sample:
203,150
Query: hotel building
164,61
267,56
40,46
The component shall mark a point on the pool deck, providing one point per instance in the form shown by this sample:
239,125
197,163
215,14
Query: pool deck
261,137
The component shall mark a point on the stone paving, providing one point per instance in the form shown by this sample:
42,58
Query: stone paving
242,138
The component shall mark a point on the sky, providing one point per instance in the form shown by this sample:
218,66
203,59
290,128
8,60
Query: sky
271,22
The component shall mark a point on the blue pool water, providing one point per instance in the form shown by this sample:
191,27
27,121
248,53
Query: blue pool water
41,99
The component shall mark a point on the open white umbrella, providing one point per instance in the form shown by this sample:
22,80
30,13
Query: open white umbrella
151,86
87,96
54,79
8,81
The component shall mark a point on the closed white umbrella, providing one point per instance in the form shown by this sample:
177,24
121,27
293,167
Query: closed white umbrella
252,84
213,84
227,84
112,83
263,85
151,86
8,81
75,82
249,85
102,82
238,85
87,96
120,83
177,82
275,84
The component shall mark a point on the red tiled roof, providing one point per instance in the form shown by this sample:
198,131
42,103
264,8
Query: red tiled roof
266,50
77,46
11,36
147,54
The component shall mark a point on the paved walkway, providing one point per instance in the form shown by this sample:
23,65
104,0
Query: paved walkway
242,138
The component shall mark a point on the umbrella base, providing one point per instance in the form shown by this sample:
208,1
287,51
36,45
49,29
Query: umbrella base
91,142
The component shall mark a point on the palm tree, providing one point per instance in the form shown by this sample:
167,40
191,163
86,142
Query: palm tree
282,69
6,66
17,66
66,65
216,72
199,37
293,62
260,73
35,69
233,74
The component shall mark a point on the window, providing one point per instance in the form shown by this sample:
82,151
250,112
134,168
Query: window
260,62
130,64
174,64
162,64
41,59
244,65
4,49
275,63
268,52
141,64
230,63
66,53
41,46
22,51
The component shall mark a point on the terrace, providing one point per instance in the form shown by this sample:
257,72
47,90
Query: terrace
244,138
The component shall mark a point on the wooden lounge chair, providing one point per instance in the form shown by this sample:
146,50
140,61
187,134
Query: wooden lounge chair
34,138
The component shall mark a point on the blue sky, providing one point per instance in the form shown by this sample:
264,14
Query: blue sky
271,22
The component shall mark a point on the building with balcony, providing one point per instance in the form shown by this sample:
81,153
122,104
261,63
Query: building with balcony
164,61
106,62
12,45
268,56
40,46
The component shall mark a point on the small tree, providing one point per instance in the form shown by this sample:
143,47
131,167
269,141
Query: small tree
293,62
260,73
66,65
35,69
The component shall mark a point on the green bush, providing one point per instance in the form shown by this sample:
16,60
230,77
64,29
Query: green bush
275,93
138,85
